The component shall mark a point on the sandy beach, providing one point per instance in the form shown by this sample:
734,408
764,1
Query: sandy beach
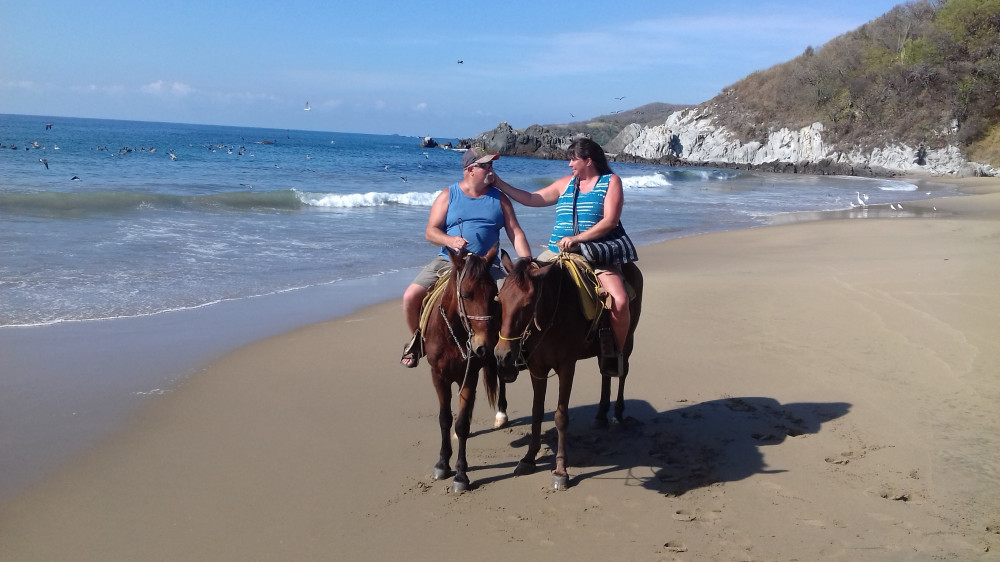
822,390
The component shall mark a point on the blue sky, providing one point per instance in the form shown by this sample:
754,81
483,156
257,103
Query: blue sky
392,67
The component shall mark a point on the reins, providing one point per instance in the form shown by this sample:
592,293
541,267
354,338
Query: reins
521,359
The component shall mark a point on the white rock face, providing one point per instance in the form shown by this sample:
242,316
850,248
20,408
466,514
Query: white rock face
691,135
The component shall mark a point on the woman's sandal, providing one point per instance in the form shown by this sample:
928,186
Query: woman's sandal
412,351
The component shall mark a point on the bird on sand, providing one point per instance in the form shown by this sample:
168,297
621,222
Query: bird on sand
860,201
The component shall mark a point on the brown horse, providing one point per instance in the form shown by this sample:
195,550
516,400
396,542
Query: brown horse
544,324
459,338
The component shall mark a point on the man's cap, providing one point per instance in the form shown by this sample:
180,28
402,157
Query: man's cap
477,156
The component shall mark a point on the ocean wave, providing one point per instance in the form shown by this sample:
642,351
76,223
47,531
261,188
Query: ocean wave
672,177
370,199
882,184
54,204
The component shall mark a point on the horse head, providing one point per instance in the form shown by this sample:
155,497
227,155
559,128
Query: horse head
518,303
475,298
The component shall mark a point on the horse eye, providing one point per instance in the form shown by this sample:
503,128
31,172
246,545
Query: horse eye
466,294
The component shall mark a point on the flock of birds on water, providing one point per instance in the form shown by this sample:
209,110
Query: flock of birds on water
241,151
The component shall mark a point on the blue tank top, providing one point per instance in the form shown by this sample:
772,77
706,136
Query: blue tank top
589,210
478,219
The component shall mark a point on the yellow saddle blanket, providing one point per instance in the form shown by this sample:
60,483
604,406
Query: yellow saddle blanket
592,296
433,295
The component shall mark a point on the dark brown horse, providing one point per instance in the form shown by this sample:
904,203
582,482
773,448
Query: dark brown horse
459,338
544,324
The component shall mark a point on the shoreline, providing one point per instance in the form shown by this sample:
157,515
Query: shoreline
70,385
871,367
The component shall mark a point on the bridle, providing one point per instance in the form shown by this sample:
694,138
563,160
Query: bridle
463,316
521,361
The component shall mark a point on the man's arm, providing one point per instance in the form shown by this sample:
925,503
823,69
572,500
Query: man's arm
434,232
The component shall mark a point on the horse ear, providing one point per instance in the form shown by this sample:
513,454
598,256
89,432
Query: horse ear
457,258
492,254
508,265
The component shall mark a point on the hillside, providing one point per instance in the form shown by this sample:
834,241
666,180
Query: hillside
927,73
923,78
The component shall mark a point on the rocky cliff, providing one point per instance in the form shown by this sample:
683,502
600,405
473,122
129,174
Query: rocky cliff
691,138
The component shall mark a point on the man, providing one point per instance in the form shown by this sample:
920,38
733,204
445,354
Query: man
468,216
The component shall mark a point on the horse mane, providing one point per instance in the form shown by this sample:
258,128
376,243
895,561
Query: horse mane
519,274
476,267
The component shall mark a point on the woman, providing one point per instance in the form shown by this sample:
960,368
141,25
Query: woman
598,210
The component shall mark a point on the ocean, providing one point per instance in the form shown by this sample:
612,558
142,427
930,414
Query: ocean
132,252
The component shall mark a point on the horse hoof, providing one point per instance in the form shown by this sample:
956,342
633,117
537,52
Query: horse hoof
600,423
524,468
560,482
440,473
500,421
457,486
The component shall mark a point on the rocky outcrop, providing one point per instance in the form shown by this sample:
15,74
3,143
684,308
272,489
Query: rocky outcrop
428,142
534,142
690,136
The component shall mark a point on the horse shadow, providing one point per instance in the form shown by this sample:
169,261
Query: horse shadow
682,449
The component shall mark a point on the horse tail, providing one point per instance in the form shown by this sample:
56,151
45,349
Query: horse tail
491,382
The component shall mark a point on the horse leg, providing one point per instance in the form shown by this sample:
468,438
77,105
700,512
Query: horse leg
560,478
501,418
466,403
601,419
443,467
527,463
620,402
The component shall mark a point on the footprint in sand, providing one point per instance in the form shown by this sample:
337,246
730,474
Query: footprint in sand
843,458
674,546
684,515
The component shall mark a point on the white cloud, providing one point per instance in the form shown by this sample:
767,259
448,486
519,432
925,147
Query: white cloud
164,88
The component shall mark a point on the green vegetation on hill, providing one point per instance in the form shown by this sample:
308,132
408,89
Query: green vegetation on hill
927,73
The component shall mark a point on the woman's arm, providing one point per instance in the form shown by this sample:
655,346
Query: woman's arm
544,197
513,228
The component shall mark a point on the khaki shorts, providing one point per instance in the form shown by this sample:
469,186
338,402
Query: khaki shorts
441,265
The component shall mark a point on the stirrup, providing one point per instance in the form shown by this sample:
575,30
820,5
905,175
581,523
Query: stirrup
612,366
413,349
610,361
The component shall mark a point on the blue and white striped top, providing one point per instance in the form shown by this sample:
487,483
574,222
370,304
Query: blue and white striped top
589,210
